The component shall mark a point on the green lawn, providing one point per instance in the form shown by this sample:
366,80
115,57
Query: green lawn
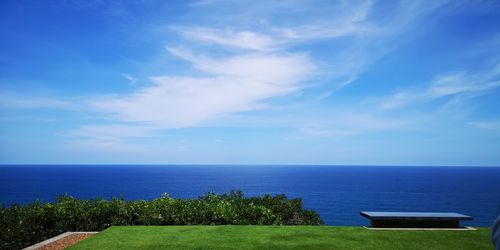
276,237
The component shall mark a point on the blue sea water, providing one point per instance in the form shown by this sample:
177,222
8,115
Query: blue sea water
337,193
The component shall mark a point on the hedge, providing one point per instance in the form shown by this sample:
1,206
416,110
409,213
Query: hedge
26,225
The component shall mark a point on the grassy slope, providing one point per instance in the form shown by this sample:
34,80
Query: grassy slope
289,237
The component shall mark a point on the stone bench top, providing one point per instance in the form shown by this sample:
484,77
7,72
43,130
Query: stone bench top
414,216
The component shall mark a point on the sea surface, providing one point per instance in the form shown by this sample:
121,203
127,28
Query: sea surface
337,193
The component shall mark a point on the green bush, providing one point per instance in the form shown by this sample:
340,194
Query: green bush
22,226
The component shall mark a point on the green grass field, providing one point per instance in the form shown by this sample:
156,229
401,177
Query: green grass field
281,237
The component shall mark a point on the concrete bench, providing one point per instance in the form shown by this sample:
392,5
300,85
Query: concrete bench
414,220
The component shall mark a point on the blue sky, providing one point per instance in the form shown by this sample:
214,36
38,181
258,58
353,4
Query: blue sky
250,82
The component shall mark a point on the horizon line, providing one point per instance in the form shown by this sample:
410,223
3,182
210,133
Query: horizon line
237,164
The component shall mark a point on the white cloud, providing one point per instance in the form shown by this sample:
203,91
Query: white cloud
237,39
453,84
237,83
461,83
282,69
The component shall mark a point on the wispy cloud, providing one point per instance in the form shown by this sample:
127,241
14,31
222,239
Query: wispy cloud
452,84
235,39
348,21
489,125
132,80
110,132
202,3
113,137
100,146
236,84
15,101
283,69
351,124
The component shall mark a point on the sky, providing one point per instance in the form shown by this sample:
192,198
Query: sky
250,82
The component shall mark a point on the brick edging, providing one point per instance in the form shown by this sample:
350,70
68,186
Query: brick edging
53,239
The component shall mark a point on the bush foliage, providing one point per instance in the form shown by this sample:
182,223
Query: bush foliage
22,226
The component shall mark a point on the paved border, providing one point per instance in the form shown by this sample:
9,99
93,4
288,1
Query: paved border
423,229
53,239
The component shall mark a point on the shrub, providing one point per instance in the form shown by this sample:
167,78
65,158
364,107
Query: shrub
22,226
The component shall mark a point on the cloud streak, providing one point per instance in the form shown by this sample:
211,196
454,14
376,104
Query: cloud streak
234,39
14,101
452,84
488,125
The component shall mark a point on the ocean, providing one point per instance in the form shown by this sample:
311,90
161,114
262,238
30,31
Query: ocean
337,193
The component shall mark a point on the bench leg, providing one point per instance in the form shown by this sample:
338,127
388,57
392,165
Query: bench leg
414,223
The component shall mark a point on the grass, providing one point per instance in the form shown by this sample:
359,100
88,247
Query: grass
280,237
